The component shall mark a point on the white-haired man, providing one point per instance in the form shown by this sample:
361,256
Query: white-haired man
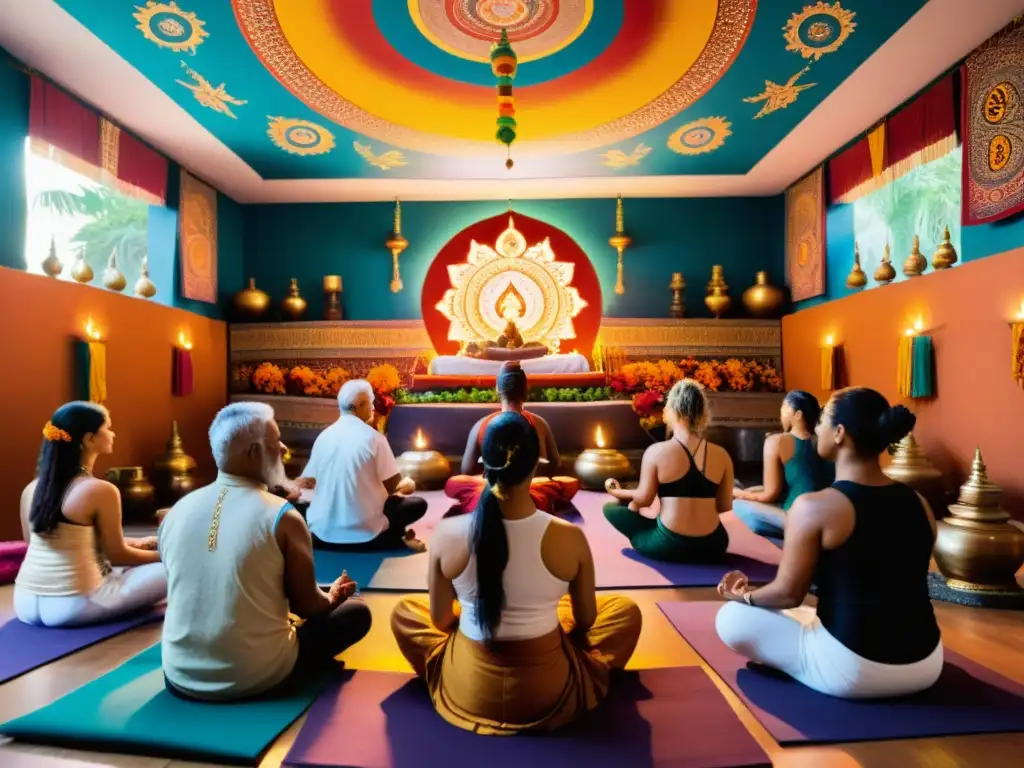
361,499
238,561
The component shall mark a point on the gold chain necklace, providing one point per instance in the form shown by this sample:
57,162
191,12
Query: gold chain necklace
211,539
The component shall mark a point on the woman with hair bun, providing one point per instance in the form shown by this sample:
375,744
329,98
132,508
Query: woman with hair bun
866,543
529,645
691,477
792,467
73,521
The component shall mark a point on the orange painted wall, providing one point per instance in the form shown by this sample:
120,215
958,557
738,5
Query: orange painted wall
966,311
41,319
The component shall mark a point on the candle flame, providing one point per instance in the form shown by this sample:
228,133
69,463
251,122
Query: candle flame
1020,315
420,442
92,331
183,341
918,325
830,341
599,437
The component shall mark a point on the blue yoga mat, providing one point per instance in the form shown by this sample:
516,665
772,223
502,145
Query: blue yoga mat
129,710
24,647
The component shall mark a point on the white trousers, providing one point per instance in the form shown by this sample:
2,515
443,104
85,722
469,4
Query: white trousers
123,591
797,643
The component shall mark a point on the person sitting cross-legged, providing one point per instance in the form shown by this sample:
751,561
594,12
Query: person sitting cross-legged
239,560
79,567
866,543
792,467
529,646
361,500
691,478
550,494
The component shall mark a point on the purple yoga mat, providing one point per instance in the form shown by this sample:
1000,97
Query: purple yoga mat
968,698
656,718
24,647
618,565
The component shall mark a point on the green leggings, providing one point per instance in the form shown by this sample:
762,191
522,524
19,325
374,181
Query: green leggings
652,539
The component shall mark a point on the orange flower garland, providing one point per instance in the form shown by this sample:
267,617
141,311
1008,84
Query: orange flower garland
268,379
384,378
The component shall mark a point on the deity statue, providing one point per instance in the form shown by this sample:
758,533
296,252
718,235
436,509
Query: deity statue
510,307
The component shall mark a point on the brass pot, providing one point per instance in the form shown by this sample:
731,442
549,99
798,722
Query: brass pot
596,465
885,273
293,307
138,496
52,266
915,264
113,278
172,471
81,272
856,278
977,548
911,467
763,299
144,287
678,287
717,299
428,469
251,303
945,255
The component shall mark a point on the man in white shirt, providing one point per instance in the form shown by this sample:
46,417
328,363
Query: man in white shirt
361,499
239,560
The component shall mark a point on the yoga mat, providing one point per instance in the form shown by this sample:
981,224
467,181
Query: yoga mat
653,718
24,647
968,698
617,565
129,710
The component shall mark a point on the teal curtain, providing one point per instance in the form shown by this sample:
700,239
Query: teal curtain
922,378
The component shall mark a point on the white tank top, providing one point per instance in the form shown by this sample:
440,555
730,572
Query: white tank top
63,562
226,632
532,593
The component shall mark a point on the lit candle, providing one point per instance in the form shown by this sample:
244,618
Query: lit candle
830,341
420,442
599,437
1020,314
183,341
92,331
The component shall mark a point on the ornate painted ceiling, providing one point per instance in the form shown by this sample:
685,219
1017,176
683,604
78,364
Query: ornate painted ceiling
343,89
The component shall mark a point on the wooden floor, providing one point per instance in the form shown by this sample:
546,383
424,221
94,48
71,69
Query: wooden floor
996,638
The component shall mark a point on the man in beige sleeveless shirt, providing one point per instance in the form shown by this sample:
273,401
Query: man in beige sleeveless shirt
239,560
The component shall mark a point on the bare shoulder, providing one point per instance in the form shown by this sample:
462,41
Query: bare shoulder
719,454
98,488
29,492
566,533
827,501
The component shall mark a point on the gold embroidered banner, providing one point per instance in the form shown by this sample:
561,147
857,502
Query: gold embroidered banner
197,226
805,236
993,128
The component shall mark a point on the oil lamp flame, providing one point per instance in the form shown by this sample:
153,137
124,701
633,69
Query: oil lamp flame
599,437
183,341
830,341
92,331
420,442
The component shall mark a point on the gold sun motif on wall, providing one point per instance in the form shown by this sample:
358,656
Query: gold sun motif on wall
169,26
818,29
700,136
299,137
393,158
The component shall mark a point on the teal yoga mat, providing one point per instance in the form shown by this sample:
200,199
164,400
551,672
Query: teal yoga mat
129,710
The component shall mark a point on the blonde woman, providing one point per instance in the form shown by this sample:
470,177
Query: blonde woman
693,480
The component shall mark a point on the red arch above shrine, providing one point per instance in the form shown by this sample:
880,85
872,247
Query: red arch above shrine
587,322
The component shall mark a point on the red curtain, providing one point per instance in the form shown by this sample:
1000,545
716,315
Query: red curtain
64,122
927,120
73,128
923,130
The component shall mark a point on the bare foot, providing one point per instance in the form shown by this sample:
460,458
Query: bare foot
412,542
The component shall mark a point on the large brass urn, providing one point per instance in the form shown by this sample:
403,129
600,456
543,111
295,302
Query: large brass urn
172,472
911,467
977,548
717,299
763,299
251,303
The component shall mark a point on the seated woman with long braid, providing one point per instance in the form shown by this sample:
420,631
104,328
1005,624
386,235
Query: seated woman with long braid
690,476
550,494
792,467
529,645
866,543
75,535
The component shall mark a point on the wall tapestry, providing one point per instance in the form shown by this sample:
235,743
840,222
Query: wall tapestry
993,128
805,236
197,222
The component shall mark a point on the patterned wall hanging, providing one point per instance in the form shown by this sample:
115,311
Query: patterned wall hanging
805,236
197,225
993,128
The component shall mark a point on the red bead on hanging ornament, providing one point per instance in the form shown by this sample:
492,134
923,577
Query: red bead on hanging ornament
504,64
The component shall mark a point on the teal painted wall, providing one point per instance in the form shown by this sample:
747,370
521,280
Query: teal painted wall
669,235
14,92
163,222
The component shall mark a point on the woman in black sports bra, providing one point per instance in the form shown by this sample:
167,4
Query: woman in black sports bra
693,481
866,543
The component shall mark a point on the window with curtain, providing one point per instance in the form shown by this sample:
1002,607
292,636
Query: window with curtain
923,202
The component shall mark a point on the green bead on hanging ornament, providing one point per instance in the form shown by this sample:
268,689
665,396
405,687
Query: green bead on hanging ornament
503,59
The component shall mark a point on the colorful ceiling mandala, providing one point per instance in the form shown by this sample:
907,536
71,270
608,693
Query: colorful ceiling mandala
375,88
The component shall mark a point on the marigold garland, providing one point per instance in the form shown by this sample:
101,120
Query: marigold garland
268,379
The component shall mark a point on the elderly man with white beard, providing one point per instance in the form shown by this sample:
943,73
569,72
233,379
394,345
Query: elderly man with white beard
239,560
